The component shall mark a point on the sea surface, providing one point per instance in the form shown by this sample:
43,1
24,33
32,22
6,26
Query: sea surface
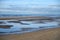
19,27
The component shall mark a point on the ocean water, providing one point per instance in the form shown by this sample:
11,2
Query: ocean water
26,26
6,14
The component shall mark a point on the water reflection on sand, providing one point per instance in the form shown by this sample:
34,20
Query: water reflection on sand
25,26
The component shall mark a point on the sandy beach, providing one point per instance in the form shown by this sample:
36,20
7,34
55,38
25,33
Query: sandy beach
47,34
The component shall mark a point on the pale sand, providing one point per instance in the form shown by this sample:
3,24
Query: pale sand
47,34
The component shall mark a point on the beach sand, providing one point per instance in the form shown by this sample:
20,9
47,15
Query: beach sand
47,34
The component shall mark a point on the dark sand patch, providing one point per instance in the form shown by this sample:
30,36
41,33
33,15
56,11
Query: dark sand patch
5,26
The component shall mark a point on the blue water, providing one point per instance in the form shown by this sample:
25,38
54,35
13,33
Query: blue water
50,14
18,28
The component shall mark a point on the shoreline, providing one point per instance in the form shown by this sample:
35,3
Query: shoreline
20,33
46,34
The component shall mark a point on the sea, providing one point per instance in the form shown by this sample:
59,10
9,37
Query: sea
20,27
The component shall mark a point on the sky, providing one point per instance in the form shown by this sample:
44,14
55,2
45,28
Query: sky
27,4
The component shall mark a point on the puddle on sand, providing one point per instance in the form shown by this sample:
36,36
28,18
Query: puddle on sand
15,26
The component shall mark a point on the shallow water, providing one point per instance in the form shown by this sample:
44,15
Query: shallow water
25,26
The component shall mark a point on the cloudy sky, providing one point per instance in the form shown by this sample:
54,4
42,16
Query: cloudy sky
27,3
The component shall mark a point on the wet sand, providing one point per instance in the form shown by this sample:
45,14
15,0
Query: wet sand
47,34
26,18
